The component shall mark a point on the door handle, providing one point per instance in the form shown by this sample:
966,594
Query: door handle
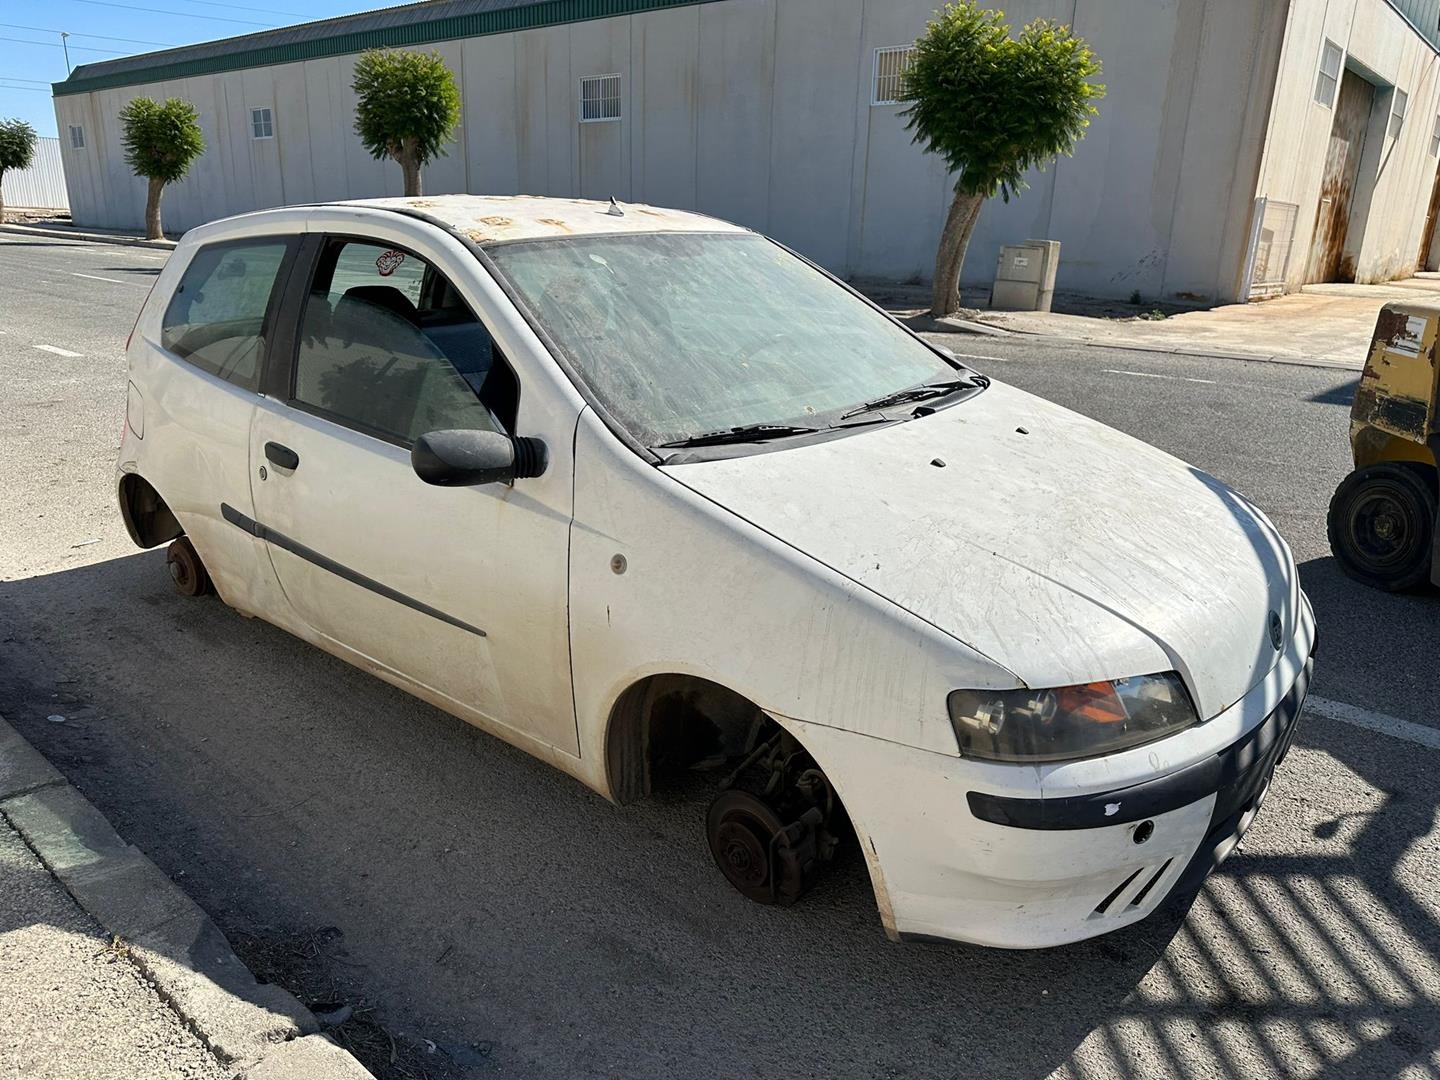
282,457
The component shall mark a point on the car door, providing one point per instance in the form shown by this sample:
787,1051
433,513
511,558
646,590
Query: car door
458,593
199,383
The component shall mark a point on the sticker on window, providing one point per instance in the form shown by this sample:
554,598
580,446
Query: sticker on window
389,262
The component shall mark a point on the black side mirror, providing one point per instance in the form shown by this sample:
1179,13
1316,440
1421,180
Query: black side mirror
465,458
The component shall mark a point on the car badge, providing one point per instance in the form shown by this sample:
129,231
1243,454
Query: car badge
1277,631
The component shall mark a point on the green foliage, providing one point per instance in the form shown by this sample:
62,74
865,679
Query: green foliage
408,102
161,141
994,106
17,145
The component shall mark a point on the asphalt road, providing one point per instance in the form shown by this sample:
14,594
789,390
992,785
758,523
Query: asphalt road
366,848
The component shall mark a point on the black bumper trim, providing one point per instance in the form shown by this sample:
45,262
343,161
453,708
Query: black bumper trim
1238,774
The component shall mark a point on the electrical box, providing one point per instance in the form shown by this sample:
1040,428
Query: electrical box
1025,276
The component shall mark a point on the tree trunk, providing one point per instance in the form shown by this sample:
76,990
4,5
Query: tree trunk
152,209
410,166
959,227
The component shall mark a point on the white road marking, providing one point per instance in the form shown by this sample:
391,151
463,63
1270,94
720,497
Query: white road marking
1156,375
58,351
97,277
1374,721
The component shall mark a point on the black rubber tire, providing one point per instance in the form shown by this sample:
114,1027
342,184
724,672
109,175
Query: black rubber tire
1382,525
739,828
186,570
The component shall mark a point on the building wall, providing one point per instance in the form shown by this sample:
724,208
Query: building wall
42,185
1396,173
759,111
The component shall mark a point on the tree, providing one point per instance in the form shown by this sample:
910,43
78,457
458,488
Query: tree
161,142
17,150
993,106
407,109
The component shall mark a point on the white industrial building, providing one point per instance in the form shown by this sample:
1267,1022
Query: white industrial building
1245,146
39,187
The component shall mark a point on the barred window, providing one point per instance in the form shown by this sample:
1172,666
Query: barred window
599,98
1331,59
1399,101
77,137
891,64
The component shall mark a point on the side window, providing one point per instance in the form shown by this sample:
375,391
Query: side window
388,346
216,318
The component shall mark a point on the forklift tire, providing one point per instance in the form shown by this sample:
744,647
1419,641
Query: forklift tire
1382,525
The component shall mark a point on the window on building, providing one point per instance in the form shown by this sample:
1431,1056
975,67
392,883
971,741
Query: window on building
1332,59
216,320
1399,102
599,98
77,137
389,347
1435,139
891,64
262,124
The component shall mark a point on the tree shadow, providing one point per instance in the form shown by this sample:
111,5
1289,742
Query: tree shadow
483,899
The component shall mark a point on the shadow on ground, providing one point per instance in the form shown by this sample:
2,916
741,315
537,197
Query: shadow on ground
372,851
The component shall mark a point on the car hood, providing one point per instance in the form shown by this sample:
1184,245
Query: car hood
1062,549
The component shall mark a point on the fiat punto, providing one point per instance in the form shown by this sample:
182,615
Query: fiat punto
662,503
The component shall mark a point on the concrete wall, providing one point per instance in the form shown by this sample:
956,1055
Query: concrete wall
42,185
760,111
1393,190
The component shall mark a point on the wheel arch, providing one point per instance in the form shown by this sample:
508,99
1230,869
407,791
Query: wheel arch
629,749
148,518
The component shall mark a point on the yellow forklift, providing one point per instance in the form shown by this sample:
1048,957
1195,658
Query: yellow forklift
1382,520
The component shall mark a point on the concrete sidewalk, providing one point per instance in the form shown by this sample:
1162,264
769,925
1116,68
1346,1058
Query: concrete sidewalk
54,230
1322,324
109,972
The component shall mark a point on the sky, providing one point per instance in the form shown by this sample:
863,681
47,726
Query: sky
31,57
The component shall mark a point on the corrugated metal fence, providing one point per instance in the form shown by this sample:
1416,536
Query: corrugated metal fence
41,185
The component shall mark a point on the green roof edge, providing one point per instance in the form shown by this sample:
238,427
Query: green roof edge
507,20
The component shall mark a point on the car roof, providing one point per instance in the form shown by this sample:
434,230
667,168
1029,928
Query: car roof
490,219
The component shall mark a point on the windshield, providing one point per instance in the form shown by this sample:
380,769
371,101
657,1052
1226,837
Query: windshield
680,334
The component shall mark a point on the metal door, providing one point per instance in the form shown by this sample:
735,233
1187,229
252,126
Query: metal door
1337,189
1427,234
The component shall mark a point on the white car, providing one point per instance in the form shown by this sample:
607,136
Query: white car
655,499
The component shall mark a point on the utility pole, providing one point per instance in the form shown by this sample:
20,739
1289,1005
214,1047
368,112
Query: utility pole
64,44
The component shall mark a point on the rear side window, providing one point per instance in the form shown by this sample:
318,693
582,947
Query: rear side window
216,319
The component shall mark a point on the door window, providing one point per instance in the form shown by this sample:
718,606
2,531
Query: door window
216,318
387,346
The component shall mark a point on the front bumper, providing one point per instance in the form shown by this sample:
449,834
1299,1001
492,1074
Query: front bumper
952,861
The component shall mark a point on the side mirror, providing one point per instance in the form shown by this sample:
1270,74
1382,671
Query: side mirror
466,458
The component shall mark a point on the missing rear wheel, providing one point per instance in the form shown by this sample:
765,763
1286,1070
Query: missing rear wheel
186,570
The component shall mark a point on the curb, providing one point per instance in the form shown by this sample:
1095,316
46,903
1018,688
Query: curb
94,238
956,326
260,1030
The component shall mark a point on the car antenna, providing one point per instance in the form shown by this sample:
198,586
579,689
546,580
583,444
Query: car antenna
615,210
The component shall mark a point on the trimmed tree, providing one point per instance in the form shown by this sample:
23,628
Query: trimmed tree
17,150
161,142
407,110
993,106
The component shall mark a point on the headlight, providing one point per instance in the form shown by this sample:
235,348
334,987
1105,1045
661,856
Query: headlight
1069,722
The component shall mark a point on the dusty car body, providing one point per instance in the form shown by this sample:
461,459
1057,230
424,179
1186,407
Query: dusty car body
1038,673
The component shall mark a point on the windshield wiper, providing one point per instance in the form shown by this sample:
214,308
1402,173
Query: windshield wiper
913,393
742,434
